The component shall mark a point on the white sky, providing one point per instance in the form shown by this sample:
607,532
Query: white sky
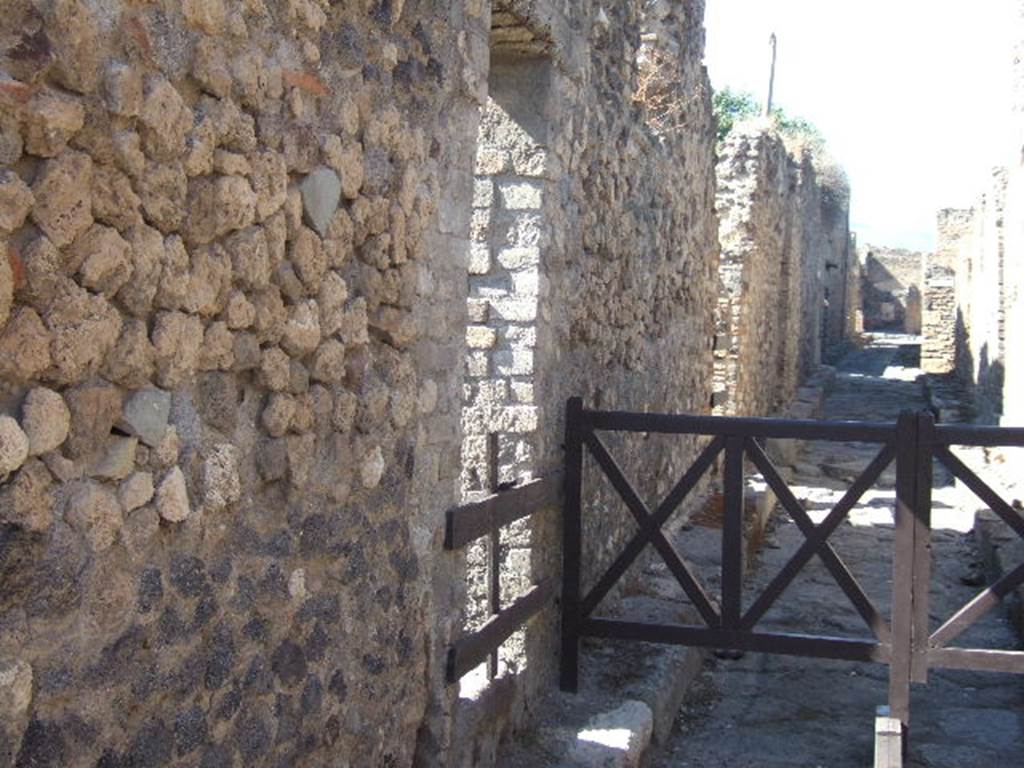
913,96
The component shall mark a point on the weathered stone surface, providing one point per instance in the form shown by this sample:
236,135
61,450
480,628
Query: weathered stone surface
117,461
221,484
146,415
136,491
93,511
84,329
177,339
218,205
14,446
172,497
104,258
46,420
16,200
94,411
321,193
63,197
27,500
302,330
51,119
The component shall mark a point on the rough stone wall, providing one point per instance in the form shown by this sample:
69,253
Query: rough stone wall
783,275
1013,243
232,333
592,272
893,279
940,325
966,298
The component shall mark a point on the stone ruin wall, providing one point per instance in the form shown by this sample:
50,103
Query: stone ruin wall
1013,244
233,329
592,266
939,323
892,291
966,299
784,273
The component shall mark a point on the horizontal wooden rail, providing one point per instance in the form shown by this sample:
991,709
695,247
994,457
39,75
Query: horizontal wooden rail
980,659
473,650
981,437
790,644
471,521
676,424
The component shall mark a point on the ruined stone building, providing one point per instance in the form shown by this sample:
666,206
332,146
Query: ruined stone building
285,281
891,294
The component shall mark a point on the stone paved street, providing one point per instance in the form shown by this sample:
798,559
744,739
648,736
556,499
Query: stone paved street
775,711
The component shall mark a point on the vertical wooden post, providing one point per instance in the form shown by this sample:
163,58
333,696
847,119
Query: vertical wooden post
493,547
922,547
732,535
903,569
572,546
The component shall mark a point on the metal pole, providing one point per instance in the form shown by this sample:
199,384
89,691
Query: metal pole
773,41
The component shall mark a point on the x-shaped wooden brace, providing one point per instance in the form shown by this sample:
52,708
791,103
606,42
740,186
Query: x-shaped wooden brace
817,540
650,529
991,597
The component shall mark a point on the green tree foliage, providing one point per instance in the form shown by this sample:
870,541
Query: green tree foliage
730,107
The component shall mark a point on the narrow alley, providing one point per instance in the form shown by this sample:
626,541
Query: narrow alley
773,711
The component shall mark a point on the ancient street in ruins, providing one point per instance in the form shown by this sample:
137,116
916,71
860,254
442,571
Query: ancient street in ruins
779,711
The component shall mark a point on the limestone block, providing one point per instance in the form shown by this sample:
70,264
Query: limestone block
210,67
63,197
218,350
329,364
50,120
372,468
136,491
517,362
308,259
479,259
218,205
278,413
615,739
269,177
122,89
105,258
15,697
521,195
331,299
519,258
222,486
172,497
114,201
85,328
165,118
514,310
117,461
94,408
16,200
146,415
481,337
46,420
302,330
27,501
274,369
177,339
397,327
93,511
321,193
132,361
148,252
163,192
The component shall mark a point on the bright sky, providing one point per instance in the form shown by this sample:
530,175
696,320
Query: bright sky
913,96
